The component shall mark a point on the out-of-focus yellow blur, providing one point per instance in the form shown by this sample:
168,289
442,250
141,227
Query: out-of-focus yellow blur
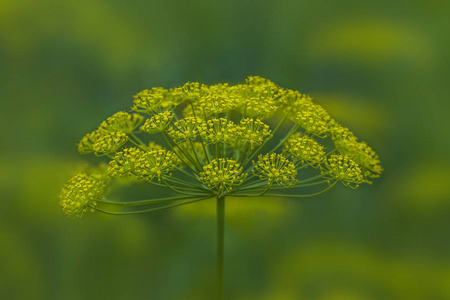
380,68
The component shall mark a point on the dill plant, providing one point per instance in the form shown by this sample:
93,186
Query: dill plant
217,143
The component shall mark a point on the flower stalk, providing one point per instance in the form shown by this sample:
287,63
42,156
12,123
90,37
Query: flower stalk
217,143
220,246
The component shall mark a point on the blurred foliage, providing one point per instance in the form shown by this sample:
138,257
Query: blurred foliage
379,67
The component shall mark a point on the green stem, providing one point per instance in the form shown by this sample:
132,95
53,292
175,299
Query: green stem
195,177
331,152
289,196
139,140
301,185
220,245
137,145
190,185
143,202
288,135
146,210
186,190
180,154
177,189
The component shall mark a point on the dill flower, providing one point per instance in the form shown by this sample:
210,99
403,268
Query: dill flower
79,192
216,141
109,142
122,122
218,130
145,165
222,174
313,119
259,97
361,153
214,100
344,169
252,132
158,122
204,141
86,145
305,149
148,101
184,129
275,168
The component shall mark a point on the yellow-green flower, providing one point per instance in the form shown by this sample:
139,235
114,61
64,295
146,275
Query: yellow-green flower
158,122
344,169
145,165
148,101
276,168
222,174
305,149
184,129
201,141
259,98
252,132
221,130
122,122
361,153
79,192
109,142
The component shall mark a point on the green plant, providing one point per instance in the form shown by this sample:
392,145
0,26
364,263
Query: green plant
218,144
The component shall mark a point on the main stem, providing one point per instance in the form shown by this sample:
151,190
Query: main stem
220,243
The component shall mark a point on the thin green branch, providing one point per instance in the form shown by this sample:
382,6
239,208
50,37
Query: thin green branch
179,154
301,185
288,196
189,184
143,202
146,210
139,140
273,133
177,189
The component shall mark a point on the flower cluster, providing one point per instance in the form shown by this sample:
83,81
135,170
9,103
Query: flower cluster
152,100
158,122
222,174
361,153
79,192
252,132
205,141
145,165
218,130
184,129
313,118
344,169
122,122
305,149
259,98
110,135
276,168
213,100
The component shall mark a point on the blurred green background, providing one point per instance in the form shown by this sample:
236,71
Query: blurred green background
379,67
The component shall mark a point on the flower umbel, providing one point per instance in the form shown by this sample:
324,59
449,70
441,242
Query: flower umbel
80,192
202,141
199,141
222,174
275,168
305,149
344,169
